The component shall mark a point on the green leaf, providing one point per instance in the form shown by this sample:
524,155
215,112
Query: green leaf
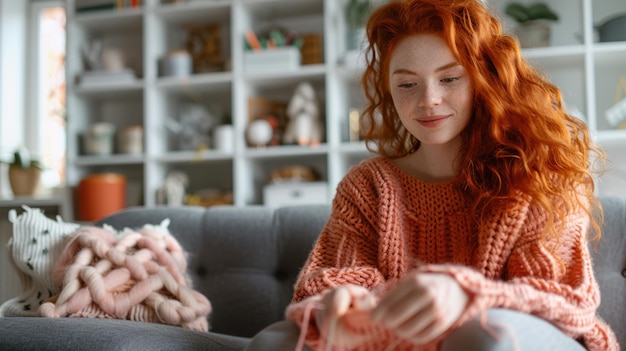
517,11
522,13
541,11
21,158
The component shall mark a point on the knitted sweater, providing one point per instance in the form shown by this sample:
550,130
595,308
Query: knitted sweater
385,224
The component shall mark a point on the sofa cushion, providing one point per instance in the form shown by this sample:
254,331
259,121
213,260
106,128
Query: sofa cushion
47,334
609,259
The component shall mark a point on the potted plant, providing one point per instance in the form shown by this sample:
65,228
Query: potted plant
533,20
357,13
24,173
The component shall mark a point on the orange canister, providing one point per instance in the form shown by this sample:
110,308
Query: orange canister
99,195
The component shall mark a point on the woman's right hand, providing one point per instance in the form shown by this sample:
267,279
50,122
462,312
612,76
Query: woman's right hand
336,303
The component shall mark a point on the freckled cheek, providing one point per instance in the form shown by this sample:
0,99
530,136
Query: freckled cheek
404,103
461,95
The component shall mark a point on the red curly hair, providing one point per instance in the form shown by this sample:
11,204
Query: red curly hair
519,139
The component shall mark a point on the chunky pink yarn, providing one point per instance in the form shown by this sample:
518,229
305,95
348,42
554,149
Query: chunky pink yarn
140,275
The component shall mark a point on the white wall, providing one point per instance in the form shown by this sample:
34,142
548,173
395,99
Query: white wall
13,35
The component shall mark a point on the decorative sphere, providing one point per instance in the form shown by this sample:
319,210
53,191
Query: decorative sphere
260,132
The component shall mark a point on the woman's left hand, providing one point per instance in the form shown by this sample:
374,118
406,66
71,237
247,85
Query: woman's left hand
421,307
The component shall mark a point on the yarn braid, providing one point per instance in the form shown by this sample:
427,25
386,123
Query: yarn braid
138,276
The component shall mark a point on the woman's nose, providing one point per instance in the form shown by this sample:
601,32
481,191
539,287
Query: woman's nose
430,95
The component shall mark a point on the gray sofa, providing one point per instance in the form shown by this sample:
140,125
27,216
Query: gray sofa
245,260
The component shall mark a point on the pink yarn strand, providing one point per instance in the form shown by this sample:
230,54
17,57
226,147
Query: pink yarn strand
305,326
495,334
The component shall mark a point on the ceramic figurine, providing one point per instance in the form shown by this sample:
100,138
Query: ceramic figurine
303,126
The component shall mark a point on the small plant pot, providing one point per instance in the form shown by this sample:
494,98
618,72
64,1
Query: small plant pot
24,182
534,34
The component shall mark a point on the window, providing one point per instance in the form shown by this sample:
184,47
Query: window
47,133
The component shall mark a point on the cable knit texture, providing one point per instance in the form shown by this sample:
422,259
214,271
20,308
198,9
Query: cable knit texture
140,275
385,224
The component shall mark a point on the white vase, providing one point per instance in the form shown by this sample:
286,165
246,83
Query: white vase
99,139
533,34
223,138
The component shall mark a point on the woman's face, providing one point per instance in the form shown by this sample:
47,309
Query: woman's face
431,91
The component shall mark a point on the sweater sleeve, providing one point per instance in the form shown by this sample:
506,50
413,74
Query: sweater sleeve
551,279
346,252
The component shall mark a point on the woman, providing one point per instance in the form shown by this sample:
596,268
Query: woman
468,232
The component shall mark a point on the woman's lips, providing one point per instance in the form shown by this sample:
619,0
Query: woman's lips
431,121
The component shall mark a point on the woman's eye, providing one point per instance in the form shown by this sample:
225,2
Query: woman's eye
450,80
406,85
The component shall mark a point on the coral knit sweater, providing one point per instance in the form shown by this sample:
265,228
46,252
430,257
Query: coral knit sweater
385,224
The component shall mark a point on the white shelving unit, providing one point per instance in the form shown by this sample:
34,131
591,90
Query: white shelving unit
587,71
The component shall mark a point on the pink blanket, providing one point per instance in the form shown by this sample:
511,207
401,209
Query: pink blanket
137,275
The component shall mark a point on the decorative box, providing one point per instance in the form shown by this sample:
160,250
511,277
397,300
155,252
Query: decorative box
295,193
286,58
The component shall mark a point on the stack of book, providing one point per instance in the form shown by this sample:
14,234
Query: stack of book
100,78
105,5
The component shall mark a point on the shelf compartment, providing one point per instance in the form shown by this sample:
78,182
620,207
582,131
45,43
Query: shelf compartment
610,73
568,30
260,170
111,90
205,179
107,20
109,160
133,172
203,29
609,53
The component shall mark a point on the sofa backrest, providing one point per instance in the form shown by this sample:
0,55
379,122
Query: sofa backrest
245,260
609,259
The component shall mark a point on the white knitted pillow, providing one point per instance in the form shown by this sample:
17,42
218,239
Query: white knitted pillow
33,249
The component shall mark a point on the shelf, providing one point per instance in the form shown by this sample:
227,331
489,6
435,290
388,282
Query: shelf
355,147
110,160
209,81
285,151
556,55
193,156
314,72
584,70
612,137
195,12
610,53
270,9
19,201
